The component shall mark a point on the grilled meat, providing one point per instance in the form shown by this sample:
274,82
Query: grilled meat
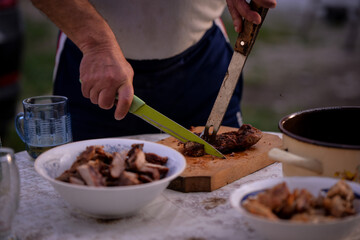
96,167
234,141
300,205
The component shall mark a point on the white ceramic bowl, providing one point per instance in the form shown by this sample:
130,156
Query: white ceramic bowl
286,230
106,202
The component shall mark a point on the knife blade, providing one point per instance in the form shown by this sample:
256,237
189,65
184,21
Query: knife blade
243,46
160,121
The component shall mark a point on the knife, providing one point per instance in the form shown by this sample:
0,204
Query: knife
165,124
243,45
160,121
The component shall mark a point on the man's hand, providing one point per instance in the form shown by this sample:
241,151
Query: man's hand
240,9
105,73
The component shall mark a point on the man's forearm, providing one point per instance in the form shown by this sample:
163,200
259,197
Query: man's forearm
80,21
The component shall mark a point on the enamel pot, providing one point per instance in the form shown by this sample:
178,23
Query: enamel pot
321,142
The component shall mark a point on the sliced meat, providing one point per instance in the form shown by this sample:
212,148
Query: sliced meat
96,167
75,180
301,205
153,173
100,166
136,159
90,175
163,170
338,207
156,159
65,176
342,189
304,200
255,207
118,164
85,156
128,178
102,155
275,198
145,178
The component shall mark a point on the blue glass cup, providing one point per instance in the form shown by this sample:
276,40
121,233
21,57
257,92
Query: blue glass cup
44,124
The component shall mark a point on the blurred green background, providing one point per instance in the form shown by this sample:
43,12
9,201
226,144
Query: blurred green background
302,59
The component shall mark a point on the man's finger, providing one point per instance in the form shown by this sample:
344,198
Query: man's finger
106,98
85,90
236,17
266,3
125,97
94,95
244,9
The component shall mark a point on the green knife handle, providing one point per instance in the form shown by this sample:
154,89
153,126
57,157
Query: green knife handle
136,104
247,36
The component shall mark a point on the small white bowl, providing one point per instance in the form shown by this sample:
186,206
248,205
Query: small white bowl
284,229
106,202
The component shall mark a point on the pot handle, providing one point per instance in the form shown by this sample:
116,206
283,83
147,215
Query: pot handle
283,156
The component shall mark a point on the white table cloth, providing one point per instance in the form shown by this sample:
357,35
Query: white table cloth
43,214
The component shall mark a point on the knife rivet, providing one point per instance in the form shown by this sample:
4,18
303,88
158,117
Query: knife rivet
242,43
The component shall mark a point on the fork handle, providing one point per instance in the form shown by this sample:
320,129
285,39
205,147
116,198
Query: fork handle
247,36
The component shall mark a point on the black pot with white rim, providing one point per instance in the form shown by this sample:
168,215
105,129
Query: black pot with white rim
321,142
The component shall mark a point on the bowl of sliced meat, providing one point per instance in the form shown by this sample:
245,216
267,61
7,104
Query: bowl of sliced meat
110,178
300,207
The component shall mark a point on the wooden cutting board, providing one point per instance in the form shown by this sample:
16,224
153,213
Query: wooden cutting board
208,173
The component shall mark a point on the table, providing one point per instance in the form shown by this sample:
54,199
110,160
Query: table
43,214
